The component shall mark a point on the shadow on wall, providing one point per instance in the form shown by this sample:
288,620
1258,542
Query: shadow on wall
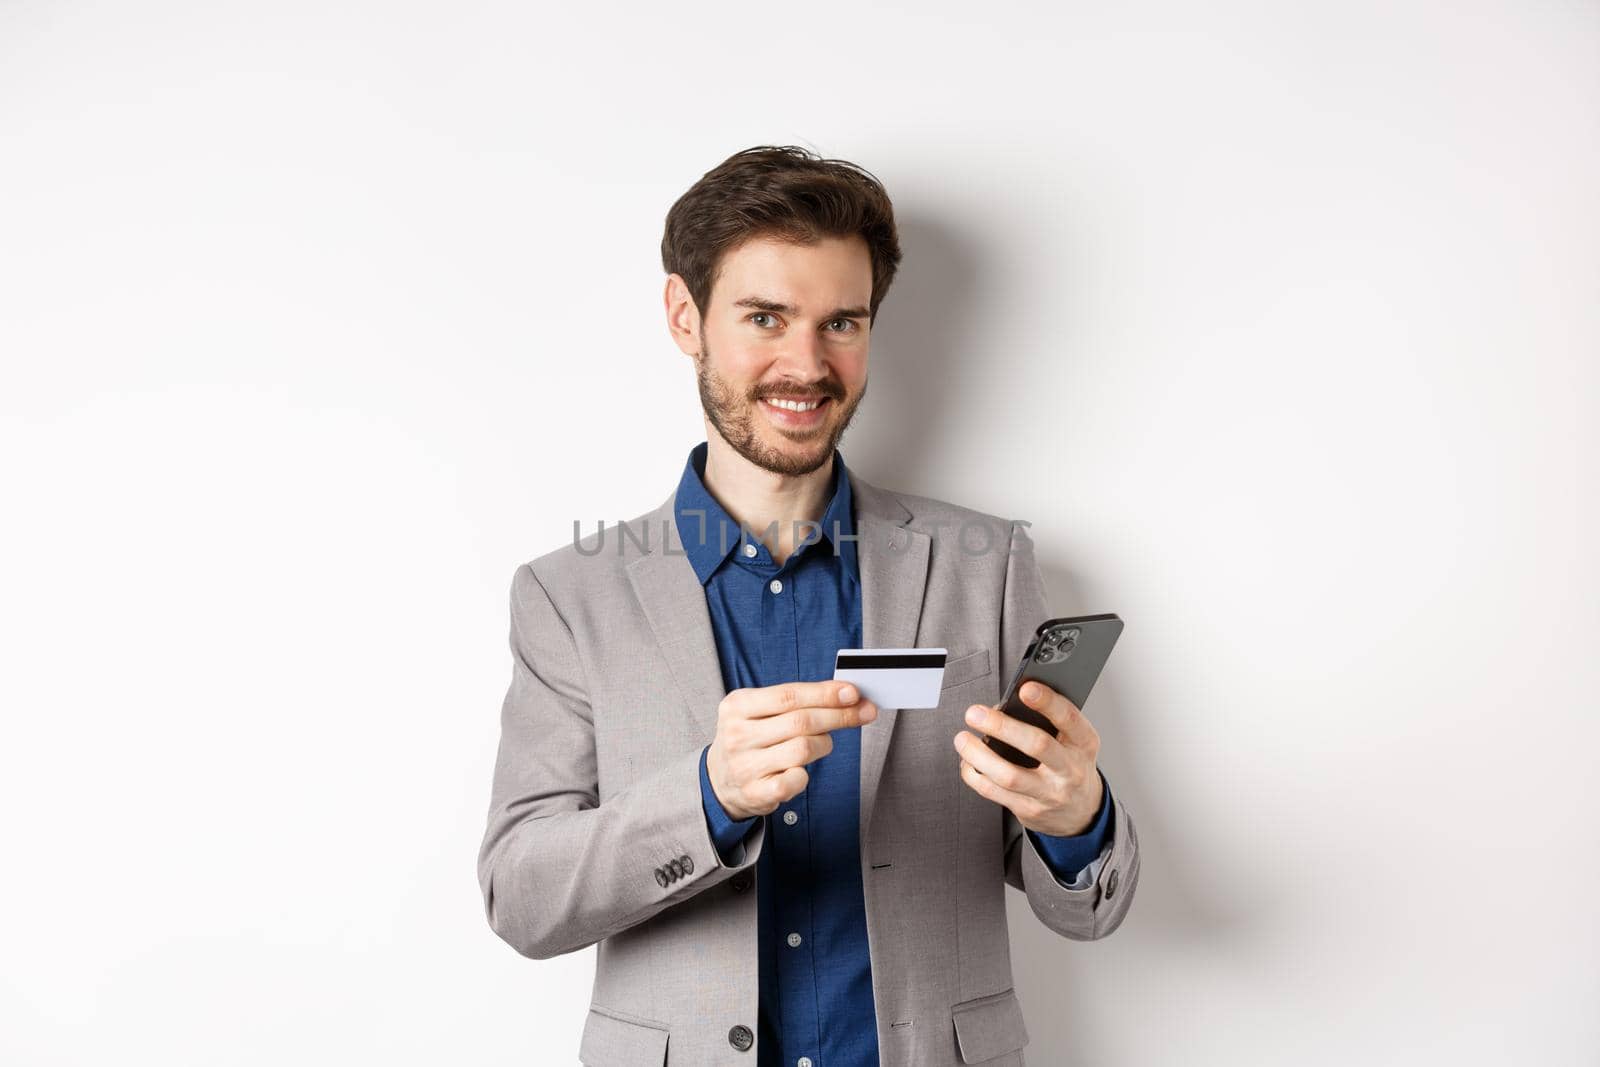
1181,908
909,400
916,394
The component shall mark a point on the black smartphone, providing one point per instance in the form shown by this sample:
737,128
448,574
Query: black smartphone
1065,654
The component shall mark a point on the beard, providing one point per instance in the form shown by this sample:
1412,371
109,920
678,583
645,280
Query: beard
734,416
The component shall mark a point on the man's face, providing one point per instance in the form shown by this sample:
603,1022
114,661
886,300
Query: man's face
786,322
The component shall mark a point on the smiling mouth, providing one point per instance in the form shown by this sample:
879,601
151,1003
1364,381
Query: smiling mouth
791,404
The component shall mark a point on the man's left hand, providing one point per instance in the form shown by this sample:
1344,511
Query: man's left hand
1061,796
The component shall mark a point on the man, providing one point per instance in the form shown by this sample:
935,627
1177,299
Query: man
776,870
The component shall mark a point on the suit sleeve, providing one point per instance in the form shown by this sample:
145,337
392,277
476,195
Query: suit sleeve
559,869
1097,908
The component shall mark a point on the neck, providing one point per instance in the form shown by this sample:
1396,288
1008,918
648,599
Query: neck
760,498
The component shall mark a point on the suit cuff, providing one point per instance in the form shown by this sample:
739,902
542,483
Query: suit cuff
1067,856
727,834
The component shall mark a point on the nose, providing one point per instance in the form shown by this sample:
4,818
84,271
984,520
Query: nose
804,358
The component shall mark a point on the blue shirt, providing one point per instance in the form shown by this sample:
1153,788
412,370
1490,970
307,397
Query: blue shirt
773,625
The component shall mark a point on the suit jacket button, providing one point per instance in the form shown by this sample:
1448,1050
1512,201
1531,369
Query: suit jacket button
687,864
674,869
741,1038
740,881
661,877
1111,884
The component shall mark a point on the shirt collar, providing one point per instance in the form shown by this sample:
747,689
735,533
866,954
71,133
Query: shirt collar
696,510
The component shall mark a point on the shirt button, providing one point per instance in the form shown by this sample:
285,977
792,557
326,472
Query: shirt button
794,940
803,1061
776,586
749,549
790,818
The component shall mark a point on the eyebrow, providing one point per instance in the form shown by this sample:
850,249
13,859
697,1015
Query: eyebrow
779,308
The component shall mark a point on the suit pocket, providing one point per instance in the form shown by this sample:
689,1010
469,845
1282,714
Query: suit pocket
989,1026
964,669
612,1041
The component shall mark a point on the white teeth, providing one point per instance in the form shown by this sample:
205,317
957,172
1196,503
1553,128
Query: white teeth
792,405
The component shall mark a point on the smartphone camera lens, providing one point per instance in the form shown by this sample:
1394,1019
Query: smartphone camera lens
1062,642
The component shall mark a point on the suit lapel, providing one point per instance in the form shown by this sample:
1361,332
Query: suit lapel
893,561
674,602
893,564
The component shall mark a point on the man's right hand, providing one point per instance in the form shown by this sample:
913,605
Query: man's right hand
766,736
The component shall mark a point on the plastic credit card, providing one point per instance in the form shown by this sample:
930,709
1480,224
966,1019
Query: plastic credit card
893,677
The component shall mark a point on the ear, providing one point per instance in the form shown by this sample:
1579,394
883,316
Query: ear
683,317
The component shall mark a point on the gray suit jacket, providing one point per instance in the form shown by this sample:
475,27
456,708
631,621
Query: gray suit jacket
596,834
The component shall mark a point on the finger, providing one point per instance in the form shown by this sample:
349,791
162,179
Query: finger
777,699
795,752
1071,724
777,728
1024,807
807,748
1027,781
767,793
1022,736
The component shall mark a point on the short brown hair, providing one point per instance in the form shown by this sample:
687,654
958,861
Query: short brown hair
779,191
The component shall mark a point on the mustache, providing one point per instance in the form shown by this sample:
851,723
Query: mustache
831,390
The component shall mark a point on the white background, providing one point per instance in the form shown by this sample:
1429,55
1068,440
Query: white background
1279,323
